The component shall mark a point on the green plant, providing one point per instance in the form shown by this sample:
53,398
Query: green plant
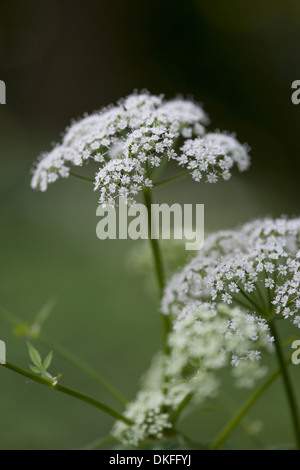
219,312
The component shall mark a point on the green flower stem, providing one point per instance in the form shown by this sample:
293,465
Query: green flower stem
235,420
171,179
261,297
82,178
65,354
287,384
256,307
180,408
155,246
177,177
242,302
68,391
158,268
158,171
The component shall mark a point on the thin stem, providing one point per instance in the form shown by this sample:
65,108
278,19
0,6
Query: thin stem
287,384
155,245
66,355
171,179
68,391
269,293
161,167
241,302
83,178
180,408
255,305
234,421
262,299
158,267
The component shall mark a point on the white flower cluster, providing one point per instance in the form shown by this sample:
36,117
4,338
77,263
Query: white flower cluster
213,155
150,419
203,341
257,266
129,140
208,338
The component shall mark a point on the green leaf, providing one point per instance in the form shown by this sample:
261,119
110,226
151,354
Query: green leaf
35,369
47,361
35,356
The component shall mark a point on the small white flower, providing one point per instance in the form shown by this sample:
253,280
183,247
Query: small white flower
296,321
233,287
235,360
212,178
253,355
269,283
227,298
249,286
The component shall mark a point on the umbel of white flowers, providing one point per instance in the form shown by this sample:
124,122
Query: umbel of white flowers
128,141
257,265
204,340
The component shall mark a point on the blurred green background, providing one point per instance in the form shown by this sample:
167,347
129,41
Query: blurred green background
61,59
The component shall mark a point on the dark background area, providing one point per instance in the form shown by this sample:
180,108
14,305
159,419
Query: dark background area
61,59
